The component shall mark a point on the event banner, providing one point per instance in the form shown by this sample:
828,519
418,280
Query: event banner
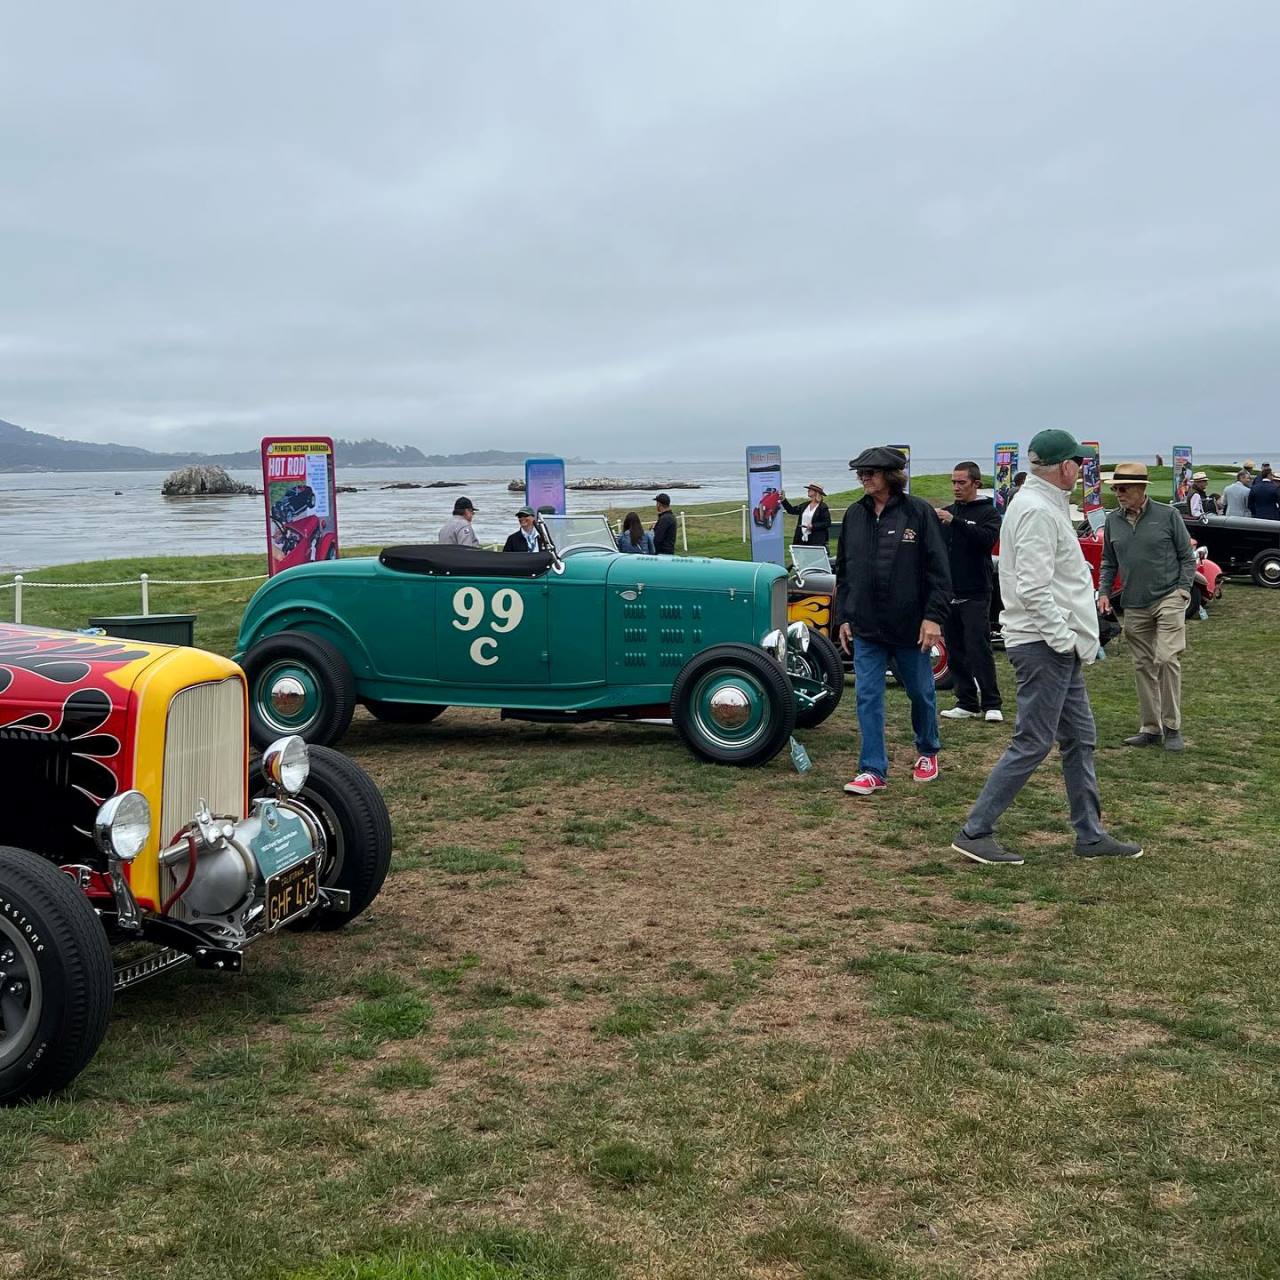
544,484
1091,480
1182,470
905,449
1006,467
301,499
764,496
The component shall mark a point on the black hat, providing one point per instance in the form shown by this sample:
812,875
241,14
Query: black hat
880,458
664,498
463,504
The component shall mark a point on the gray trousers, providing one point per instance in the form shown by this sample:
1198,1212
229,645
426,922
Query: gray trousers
1052,703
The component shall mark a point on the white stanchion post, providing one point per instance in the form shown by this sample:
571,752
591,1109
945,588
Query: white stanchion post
744,522
684,531
17,597
146,599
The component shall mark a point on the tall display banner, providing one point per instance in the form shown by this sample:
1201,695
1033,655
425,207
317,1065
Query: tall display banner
1006,467
764,496
298,481
1182,470
1091,479
544,484
906,450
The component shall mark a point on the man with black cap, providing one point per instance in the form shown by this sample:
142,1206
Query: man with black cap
1050,625
892,588
664,528
525,537
456,530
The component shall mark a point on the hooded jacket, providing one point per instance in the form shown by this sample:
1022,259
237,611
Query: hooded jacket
891,570
969,538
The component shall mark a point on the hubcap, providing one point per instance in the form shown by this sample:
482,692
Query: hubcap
288,697
1271,571
730,707
19,994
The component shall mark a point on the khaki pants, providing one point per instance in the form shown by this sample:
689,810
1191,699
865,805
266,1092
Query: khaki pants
1157,635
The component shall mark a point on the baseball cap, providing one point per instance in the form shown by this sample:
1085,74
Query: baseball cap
463,504
524,511
1047,448
664,498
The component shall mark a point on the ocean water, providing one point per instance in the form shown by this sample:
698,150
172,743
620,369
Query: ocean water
49,518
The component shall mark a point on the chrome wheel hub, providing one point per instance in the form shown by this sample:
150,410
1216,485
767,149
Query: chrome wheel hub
288,696
730,707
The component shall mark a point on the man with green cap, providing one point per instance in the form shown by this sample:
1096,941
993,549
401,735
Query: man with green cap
1050,627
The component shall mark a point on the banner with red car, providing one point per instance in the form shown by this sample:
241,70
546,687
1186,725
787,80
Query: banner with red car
298,480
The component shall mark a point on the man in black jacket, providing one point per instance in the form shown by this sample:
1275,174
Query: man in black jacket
525,537
892,589
970,528
664,529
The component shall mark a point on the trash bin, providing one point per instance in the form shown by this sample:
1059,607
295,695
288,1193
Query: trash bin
154,628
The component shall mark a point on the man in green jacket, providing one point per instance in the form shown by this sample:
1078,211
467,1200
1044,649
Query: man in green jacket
1148,544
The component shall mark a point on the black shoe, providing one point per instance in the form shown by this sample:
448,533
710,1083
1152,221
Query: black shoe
1108,847
1173,741
1143,740
985,849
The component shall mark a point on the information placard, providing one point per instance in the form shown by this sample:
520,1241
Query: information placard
544,484
1091,480
764,496
1182,471
1006,467
301,496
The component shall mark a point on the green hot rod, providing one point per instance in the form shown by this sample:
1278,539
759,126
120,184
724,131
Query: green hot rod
575,631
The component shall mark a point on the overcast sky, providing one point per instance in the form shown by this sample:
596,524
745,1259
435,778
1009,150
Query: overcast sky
678,227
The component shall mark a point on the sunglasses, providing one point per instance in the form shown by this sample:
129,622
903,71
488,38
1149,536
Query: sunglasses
865,473
1124,488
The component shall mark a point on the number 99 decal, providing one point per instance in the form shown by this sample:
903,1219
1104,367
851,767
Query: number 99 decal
470,606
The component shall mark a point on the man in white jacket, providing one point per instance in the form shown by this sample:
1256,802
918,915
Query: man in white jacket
1050,628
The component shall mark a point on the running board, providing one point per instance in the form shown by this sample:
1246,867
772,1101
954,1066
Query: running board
159,961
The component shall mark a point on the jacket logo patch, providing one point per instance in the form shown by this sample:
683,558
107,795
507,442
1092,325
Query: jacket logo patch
908,535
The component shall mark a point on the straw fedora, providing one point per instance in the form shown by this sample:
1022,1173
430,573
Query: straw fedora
819,488
1129,473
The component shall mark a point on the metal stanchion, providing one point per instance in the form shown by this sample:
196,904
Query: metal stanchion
17,597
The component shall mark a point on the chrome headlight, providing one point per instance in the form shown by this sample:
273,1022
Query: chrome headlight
123,826
775,643
798,635
287,764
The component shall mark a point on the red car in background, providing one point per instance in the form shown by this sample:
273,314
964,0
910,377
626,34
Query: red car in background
766,510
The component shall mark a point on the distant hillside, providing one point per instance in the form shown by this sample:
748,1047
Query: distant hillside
23,450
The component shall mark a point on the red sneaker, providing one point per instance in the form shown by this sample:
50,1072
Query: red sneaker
926,769
865,784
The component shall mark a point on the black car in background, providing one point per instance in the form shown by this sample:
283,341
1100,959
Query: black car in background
1240,544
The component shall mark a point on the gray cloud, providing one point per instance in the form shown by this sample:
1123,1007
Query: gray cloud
670,226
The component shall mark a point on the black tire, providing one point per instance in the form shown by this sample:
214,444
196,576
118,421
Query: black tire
55,997
1195,603
822,662
404,712
766,689
357,827
1266,568
329,689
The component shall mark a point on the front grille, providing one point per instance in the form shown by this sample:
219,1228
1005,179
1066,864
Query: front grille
778,605
203,760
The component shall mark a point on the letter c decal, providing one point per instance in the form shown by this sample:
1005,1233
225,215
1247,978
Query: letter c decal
478,649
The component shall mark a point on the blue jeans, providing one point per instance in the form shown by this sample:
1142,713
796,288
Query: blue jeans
870,662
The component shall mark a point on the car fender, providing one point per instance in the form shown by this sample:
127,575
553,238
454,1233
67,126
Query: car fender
314,619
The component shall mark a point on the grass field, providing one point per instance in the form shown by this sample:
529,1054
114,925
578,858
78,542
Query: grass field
619,1014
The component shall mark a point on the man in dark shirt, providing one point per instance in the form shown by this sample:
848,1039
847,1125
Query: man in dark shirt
892,589
970,528
664,528
1264,496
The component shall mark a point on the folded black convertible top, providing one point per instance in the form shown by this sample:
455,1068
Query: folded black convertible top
448,561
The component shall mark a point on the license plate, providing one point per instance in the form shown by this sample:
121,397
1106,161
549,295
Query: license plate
292,891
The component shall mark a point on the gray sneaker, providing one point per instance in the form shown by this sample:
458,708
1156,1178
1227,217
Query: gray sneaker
1143,740
1173,741
1108,847
985,849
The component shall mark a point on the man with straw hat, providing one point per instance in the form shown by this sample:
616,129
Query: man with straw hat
1147,543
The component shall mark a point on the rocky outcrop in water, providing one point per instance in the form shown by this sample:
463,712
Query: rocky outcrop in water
605,484
202,481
